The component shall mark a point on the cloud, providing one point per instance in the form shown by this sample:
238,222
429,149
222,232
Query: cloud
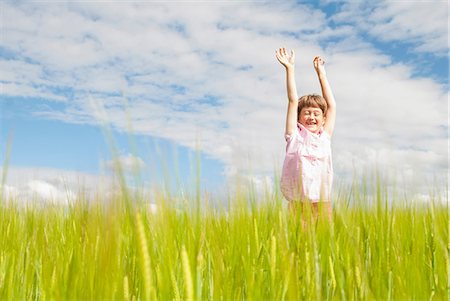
127,163
53,186
420,23
205,75
46,186
47,192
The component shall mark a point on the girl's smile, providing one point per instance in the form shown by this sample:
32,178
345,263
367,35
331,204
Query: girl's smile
312,119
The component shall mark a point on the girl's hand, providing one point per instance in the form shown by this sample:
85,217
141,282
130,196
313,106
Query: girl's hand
287,60
319,65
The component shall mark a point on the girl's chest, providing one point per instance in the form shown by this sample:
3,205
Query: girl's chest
315,147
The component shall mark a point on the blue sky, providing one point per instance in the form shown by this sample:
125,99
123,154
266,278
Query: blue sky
175,77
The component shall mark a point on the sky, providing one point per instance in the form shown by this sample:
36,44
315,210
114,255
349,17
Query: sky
190,92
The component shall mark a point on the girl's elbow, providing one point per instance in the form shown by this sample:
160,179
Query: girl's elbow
288,132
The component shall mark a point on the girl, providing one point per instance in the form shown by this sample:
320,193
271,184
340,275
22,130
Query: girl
307,170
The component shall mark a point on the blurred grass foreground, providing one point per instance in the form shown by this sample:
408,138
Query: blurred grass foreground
254,249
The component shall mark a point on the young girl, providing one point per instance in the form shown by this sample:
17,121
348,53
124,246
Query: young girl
307,170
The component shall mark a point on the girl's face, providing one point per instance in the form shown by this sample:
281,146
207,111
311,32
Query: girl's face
312,119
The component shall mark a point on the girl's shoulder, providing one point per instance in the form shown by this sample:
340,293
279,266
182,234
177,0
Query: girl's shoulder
324,134
296,133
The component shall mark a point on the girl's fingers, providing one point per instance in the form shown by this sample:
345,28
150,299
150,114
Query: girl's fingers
282,53
278,53
318,60
279,56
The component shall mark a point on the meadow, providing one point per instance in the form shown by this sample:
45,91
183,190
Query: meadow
253,249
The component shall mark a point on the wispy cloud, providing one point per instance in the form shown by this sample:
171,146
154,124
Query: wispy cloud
205,75
423,24
127,163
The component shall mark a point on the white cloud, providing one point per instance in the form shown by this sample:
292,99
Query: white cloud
170,60
45,186
49,193
127,163
424,24
25,90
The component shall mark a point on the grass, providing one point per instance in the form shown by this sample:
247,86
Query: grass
120,250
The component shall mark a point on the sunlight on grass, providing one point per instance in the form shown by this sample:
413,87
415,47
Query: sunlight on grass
122,250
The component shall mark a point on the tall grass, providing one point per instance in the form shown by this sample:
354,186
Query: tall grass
120,250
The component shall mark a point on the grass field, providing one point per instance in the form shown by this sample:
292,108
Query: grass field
254,250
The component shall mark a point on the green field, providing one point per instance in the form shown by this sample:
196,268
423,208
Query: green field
253,250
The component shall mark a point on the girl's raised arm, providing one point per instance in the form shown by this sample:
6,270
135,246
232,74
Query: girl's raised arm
288,60
327,95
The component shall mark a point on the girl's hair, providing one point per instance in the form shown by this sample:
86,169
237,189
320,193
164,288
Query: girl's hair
312,100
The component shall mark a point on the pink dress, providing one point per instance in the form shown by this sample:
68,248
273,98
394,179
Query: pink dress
307,170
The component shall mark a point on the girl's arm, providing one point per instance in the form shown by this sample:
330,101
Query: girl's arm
327,95
288,62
